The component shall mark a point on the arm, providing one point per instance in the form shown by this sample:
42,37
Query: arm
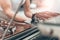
27,9
7,9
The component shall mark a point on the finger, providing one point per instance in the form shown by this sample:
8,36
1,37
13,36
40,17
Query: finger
44,16
52,14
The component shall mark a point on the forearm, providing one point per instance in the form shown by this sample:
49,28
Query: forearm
10,14
27,11
7,9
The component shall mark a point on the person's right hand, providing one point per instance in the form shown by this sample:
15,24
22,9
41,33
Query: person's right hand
46,15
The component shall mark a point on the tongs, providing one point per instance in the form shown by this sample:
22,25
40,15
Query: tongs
11,21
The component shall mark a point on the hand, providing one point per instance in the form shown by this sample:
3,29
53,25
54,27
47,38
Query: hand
46,15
